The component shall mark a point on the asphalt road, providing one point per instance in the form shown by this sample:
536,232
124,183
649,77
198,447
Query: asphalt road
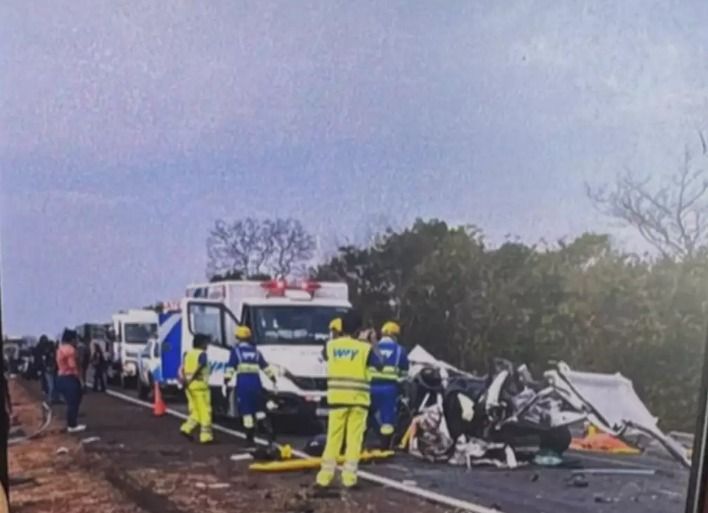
530,489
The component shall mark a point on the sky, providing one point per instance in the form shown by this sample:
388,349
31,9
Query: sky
127,128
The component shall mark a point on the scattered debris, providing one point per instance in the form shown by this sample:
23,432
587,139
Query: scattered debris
90,440
578,481
594,441
62,450
602,499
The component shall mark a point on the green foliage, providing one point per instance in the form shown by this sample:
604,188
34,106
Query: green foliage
583,302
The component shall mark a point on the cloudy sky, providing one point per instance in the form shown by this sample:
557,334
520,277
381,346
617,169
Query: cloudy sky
127,127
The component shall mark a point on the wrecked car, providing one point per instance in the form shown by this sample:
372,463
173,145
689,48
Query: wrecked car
506,417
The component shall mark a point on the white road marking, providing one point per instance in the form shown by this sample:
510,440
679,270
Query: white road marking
438,498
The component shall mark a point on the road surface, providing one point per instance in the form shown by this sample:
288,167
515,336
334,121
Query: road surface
527,490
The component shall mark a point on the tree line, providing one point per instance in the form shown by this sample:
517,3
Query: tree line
586,302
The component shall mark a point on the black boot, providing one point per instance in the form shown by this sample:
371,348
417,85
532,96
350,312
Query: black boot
251,437
386,442
265,428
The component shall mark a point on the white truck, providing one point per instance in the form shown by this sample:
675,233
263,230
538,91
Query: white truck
290,325
132,330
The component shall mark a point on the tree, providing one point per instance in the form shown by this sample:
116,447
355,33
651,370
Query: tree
251,247
673,217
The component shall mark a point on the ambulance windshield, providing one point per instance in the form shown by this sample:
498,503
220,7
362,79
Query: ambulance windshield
287,325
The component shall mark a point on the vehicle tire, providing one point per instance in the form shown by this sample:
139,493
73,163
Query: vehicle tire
128,382
144,390
557,440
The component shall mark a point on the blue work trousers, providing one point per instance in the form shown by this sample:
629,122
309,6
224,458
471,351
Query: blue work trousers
384,405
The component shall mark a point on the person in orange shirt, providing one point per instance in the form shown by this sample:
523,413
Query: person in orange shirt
68,379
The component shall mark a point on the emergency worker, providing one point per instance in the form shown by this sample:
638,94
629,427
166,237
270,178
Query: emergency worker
335,328
194,374
348,361
386,382
247,362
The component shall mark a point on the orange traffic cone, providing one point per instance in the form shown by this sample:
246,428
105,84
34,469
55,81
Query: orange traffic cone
159,408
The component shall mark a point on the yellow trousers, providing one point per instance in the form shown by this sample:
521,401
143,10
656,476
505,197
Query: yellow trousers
199,406
349,422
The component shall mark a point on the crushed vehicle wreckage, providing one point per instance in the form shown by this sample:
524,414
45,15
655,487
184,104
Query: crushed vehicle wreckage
507,418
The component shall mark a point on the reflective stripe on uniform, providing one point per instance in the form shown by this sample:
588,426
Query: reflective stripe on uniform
387,373
248,368
329,465
348,384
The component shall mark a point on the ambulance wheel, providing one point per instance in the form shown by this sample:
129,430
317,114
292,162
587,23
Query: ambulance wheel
144,390
128,382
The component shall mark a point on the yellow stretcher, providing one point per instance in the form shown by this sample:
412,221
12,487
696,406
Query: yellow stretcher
313,463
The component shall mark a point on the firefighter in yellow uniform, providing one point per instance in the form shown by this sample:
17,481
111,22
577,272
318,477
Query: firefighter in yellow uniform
195,377
348,360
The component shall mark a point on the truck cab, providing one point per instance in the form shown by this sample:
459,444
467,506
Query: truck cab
132,330
290,326
94,334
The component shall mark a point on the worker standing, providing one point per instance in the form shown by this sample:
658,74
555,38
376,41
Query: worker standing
386,383
348,360
195,378
247,362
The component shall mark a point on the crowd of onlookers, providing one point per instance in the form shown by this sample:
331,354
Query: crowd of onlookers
62,368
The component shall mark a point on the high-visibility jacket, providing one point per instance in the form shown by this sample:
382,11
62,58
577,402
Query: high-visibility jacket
347,372
394,363
246,362
196,368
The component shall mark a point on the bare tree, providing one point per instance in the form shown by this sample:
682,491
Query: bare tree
250,247
672,217
290,245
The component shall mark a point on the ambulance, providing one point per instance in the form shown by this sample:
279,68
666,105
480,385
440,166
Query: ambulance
290,326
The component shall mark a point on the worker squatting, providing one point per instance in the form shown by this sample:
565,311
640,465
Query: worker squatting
363,388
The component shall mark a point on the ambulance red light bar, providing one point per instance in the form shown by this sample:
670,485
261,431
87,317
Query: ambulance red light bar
275,287
310,286
278,287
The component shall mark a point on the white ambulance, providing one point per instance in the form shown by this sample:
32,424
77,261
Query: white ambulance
290,325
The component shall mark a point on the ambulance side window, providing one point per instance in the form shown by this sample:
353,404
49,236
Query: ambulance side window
207,319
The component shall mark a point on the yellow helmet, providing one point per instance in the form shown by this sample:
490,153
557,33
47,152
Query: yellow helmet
336,325
243,333
391,328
